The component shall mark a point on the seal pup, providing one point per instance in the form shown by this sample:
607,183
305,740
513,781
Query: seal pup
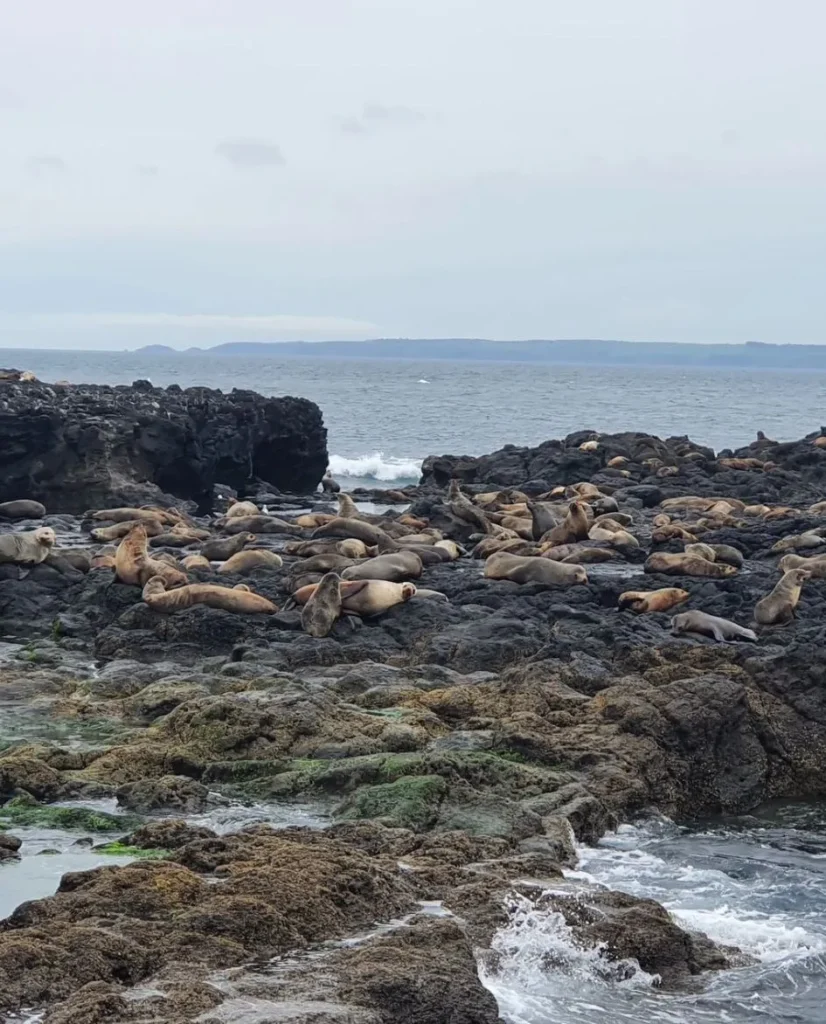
221,550
721,630
527,569
251,558
238,599
328,484
396,567
687,565
322,610
22,509
351,548
661,600
29,548
133,565
777,607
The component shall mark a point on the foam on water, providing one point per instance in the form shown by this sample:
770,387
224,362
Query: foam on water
376,466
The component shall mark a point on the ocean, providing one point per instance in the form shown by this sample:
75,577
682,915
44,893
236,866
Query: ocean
384,416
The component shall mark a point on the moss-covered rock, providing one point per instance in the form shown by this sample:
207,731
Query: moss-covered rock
25,812
118,849
409,802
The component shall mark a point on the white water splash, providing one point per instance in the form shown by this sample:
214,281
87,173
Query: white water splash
376,466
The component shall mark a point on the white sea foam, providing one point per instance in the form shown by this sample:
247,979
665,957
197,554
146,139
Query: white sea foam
376,466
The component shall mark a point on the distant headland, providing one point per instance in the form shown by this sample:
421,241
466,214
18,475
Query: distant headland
581,352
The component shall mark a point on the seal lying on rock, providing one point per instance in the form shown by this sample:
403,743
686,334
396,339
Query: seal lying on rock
29,548
222,550
398,567
241,508
121,515
22,509
696,621
816,565
364,597
527,569
134,566
778,607
238,599
103,534
252,558
652,600
686,565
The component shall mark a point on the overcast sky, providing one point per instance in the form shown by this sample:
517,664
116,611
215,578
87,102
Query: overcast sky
197,171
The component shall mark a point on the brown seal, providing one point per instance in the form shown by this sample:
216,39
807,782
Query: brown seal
652,600
307,548
312,520
451,547
799,542
463,508
363,597
686,565
519,569
231,599
357,528
21,508
696,621
324,563
573,527
701,550
121,515
103,534
220,550
134,566
252,558
351,548
816,565
587,556
180,536
329,485
347,507
396,567
618,538
778,607
241,508
490,545
195,562
29,548
259,524
322,610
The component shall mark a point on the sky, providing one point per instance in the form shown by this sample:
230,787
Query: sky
190,172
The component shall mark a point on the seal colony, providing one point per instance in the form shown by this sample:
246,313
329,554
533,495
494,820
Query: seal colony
526,649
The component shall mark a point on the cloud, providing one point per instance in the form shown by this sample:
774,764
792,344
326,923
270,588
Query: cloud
352,126
148,170
248,153
392,115
273,327
41,165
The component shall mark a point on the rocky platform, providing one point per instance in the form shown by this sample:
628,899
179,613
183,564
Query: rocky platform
74,447
457,749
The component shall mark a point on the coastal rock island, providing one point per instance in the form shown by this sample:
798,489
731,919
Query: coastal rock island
325,805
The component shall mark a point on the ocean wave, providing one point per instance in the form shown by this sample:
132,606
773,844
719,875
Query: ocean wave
377,466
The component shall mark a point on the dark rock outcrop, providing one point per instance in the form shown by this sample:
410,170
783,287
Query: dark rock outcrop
93,446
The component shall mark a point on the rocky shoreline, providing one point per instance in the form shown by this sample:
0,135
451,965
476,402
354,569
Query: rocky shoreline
452,747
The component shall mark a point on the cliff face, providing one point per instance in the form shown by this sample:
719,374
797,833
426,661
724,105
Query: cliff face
83,446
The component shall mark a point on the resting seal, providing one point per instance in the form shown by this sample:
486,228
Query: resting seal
778,607
252,558
687,565
396,567
364,597
710,625
241,508
661,600
816,565
29,548
231,599
22,509
221,550
134,566
519,569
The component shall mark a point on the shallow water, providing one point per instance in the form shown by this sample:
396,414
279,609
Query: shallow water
760,886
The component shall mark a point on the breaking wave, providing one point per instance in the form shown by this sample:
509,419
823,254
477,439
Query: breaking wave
376,467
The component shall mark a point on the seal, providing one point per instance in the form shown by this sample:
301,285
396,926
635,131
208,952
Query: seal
800,542
102,562
372,597
22,509
573,527
103,534
312,520
134,566
451,547
396,567
357,528
195,562
672,531
29,548
490,545
686,565
221,549
519,569
351,548
180,536
347,507
661,600
260,524
307,548
231,599
816,565
696,621
728,554
464,509
252,558
589,446
586,556
329,486
705,551
322,610
324,563
543,518
614,519
121,515
241,508
618,538
777,608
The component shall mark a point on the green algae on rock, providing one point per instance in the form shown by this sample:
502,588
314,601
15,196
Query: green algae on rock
21,811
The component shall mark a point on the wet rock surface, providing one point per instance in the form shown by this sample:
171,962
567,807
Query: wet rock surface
455,748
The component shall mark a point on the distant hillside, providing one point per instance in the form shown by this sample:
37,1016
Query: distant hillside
755,355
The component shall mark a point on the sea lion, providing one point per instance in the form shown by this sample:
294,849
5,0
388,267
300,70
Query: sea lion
29,548
778,607
77,558
329,485
347,507
818,509
819,442
413,522
688,501
307,548
223,549
103,534
686,565
102,562
620,539
464,509
451,547
756,510
372,597
22,509
195,562
396,567
322,610
121,515
799,542
696,621
618,519
617,462
232,599
241,508
306,579
179,537
251,558
490,545
661,519
357,528
589,446
518,569
588,556
133,565
259,524
351,548
728,554
701,551
429,595
672,531
573,527
324,563
816,565
543,518
652,600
